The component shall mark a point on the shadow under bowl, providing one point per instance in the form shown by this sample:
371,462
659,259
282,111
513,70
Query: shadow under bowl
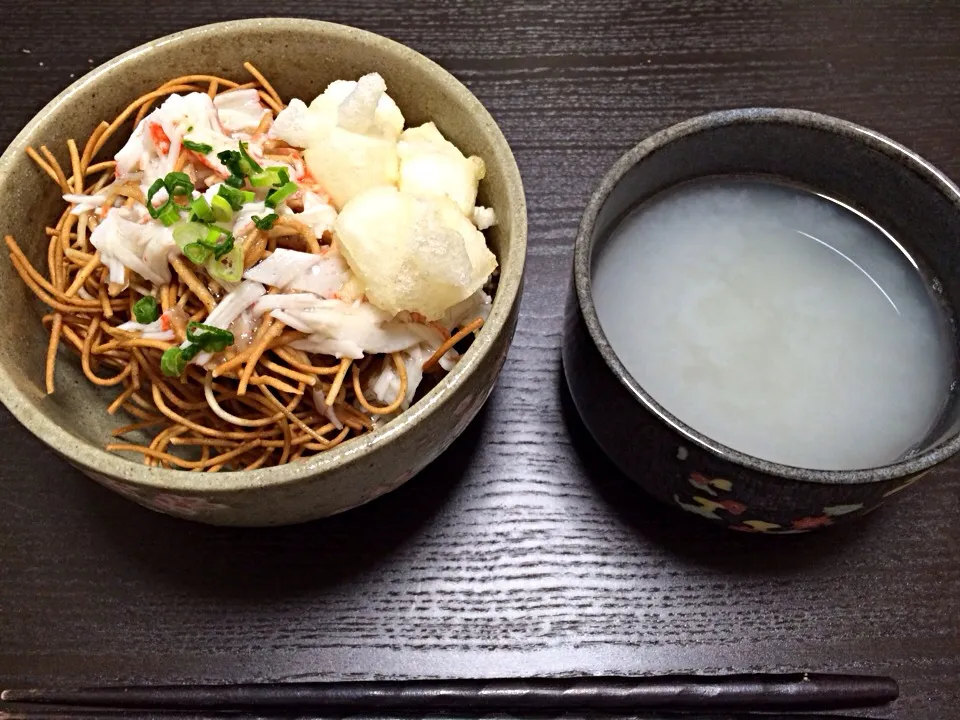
893,186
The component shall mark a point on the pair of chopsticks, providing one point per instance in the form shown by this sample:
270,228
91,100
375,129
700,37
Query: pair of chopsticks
797,692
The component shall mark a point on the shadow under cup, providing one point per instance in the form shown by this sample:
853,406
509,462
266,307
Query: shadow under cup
891,185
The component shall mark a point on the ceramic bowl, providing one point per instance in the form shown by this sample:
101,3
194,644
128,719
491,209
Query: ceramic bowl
300,57
672,461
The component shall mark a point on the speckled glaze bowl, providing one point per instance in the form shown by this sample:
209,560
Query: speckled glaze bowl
300,57
672,461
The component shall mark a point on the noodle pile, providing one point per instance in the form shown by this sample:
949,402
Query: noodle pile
266,404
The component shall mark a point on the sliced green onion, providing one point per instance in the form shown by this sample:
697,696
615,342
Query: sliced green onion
222,212
174,359
212,238
200,210
145,310
208,337
231,158
266,222
178,183
212,241
235,197
271,176
154,189
275,197
248,164
223,248
263,179
188,233
239,163
172,362
229,267
169,213
197,253
201,148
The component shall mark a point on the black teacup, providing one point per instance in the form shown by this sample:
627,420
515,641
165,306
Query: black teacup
893,186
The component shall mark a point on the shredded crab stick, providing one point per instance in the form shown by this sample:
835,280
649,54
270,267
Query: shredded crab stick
260,280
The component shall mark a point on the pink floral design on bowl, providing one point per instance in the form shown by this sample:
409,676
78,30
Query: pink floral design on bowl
169,503
183,504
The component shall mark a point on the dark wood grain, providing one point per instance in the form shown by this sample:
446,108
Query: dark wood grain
521,550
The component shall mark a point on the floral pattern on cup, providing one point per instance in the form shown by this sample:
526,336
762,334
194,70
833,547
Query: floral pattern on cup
726,510
709,508
906,484
710,486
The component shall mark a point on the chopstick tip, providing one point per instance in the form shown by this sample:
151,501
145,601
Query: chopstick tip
15,695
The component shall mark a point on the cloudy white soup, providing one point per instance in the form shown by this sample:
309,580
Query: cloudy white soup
776,321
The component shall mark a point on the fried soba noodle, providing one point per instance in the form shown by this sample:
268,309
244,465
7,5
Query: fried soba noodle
252,296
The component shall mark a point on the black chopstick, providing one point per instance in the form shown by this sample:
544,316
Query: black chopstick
728,693
38,712
43,712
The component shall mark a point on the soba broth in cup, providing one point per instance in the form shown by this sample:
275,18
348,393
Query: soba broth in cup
777,321
761,328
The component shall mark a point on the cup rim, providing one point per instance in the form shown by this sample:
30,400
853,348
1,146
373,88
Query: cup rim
583,251
93,459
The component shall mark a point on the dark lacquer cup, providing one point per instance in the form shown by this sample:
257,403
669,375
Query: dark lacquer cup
673,462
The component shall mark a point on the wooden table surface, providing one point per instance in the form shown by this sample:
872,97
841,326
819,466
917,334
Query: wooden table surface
520,551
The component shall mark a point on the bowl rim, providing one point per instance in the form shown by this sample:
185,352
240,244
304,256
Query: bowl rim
583,252
95,460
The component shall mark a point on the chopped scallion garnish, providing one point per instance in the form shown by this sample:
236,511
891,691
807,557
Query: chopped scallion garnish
178,183
266,222
231,158
248,164
197,253
222,212
197,147
145,310
174,359
200,210
218,240
153,190
270,177
223,248
239,162
208,338
169,213
275,197
186,233
262,179
212,237
228,267
172,362
235,197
